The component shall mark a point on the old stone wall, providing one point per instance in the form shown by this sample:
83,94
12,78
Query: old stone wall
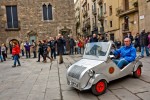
30,16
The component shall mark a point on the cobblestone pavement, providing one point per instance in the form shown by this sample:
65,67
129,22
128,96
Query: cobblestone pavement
47,81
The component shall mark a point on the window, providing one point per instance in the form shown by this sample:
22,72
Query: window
110,10
104,8
105,23
101,10
110,23
47,12
88,6
12,16
112,37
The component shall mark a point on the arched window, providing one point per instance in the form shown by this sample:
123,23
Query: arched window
44,12
50,17
47,12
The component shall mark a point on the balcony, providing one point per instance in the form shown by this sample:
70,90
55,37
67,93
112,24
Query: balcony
101,30
94,11
14,27
100,18
100,2
93,0
87,24
125,27
85,14
83,29
133,7
121,12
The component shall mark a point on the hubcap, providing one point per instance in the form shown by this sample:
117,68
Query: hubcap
100,87
138,72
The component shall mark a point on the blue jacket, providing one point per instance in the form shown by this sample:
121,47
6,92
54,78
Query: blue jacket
126,52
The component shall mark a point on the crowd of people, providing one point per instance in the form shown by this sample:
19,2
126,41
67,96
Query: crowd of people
50,48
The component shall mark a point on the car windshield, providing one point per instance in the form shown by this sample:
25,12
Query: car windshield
96,49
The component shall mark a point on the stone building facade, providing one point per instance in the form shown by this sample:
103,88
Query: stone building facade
144,15
35,19
111,18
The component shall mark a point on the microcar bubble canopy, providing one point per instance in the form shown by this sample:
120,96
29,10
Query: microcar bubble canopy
97,50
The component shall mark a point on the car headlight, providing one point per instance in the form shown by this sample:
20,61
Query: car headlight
91,73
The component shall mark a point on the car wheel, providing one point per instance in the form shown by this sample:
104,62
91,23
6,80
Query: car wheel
99,88
137,73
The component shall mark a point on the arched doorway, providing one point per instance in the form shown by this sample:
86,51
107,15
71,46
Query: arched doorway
32,36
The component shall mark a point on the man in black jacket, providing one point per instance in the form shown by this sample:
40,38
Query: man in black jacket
40,50
71,44
94,38
60,47
144,43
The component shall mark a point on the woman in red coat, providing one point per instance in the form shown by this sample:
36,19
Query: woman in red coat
15,53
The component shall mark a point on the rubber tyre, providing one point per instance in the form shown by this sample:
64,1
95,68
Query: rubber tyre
137,73
99,88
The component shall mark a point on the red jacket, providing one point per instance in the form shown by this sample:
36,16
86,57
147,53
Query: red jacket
15,50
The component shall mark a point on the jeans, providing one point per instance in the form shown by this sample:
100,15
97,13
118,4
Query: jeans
4,55
71,50
22,51
16,59
120,62
146,49
40,54
34,54
27,54
64,50
53,53
1,58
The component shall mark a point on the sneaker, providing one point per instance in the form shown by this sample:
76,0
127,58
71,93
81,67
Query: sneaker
14,66
37,61
141,56
19,65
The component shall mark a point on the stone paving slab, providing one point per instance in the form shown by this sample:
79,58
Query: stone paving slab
47,81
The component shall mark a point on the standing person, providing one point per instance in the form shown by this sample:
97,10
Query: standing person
149,40
129,35
40,50
10,47
22,48
94,38
3,50
53,48
27,49
144,43
34,48
60,45
1,58
71,45
76,46
64,43
118,43
80,45
15,53
137,41
6,49
46,50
